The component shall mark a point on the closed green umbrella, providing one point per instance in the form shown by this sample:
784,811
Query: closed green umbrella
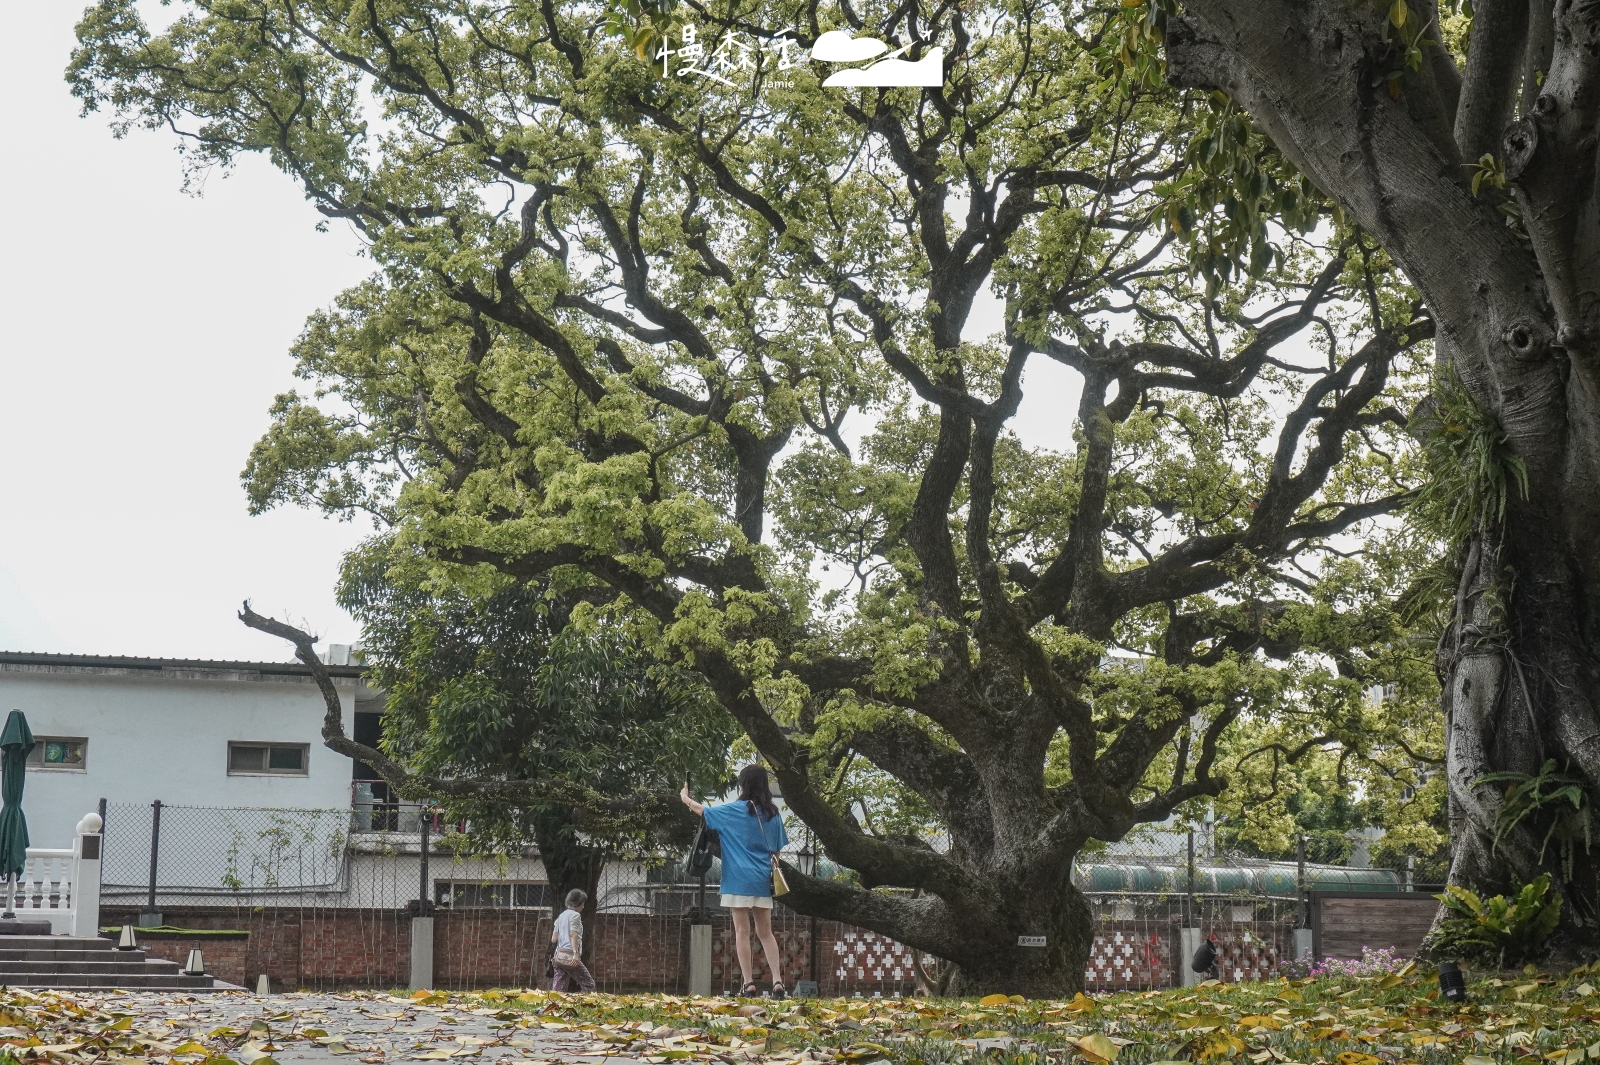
16,743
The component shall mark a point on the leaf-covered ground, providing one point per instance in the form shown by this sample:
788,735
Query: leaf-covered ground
1395,1019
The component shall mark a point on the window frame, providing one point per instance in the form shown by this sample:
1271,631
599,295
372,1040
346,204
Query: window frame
267,746
451,884
44,767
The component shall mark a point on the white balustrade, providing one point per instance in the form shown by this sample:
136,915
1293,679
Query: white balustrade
62,885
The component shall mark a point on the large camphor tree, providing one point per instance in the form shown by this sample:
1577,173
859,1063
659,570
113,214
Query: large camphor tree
1465,142
737,360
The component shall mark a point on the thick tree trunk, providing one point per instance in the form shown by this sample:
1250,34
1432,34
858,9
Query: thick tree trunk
1053,970
1518,683
982,936
570,864
1518,321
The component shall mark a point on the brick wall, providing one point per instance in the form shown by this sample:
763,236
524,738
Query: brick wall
313,948
345,948
336,948
492,948
332,948
225,956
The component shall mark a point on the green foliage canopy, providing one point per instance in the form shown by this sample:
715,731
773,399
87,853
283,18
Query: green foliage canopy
504,688
738,363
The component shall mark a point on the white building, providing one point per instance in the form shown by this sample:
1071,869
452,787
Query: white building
192,733
255,808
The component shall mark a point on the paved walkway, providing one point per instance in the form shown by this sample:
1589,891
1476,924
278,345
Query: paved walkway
322,1029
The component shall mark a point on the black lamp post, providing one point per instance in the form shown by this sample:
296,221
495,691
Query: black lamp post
806,862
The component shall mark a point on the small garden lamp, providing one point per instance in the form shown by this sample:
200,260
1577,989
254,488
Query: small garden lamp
1452,985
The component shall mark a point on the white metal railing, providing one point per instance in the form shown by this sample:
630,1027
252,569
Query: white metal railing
62,885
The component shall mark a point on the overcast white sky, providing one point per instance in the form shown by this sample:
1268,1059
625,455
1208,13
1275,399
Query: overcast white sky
145,333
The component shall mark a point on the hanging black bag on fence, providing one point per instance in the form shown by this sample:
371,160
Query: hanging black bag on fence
1205,959
707,847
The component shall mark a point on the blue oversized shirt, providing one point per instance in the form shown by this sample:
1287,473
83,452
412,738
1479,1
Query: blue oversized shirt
748,843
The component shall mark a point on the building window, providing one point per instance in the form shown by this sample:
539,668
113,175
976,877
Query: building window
276,759
58,752
491,895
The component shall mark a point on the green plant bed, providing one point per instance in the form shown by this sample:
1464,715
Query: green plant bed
167,931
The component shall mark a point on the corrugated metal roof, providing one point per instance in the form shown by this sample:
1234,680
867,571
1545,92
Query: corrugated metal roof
1253,878
156,665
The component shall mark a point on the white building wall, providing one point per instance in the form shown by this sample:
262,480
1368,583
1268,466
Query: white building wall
389,881
164,734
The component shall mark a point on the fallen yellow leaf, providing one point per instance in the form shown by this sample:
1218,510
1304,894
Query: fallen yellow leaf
1215,1044
1355,1057
1097,1047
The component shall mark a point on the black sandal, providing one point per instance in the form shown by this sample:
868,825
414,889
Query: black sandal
749,991
778,991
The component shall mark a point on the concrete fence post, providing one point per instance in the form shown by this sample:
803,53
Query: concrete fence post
421,953
1189,940
86,877
700,960
422,924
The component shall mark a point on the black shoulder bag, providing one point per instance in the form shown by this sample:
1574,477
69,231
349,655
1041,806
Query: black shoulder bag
707,847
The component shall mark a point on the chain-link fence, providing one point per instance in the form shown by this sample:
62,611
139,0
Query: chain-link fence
223,856
1146,889
328,896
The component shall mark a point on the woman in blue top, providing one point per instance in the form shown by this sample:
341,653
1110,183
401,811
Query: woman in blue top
752,834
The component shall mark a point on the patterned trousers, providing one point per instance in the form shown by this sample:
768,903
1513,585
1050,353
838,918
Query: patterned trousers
577,978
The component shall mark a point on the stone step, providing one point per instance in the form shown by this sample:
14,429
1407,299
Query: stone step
131,981
49,955
56,943
131,965
89,963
